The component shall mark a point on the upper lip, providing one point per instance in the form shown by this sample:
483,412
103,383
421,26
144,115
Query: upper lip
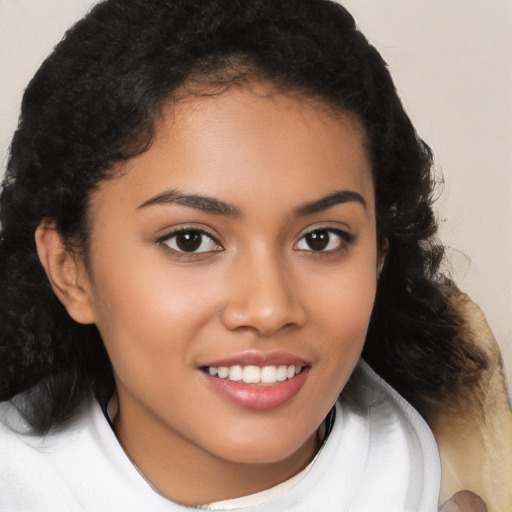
254,358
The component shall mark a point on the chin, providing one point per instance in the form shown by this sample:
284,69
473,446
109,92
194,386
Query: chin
267,449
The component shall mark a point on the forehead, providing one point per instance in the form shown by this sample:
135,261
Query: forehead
250,143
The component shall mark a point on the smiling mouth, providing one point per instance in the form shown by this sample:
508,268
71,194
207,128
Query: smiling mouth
250,374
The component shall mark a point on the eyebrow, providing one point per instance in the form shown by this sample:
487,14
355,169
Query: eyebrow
339,197
199,202
218,207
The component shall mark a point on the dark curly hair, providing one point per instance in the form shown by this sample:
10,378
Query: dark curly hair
95,101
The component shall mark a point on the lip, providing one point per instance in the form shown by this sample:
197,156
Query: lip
256,396
254,358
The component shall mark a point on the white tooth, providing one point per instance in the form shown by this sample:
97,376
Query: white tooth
268,374
236,373
282,373
291,372
223,372
252,374
212,371
297,370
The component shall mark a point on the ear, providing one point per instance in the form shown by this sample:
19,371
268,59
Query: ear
66,272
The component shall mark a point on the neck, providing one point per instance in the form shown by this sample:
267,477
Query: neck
187,474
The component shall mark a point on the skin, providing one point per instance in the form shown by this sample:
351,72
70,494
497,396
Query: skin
464,501
258,287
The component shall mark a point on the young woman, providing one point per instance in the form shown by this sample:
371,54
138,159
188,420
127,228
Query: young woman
212,209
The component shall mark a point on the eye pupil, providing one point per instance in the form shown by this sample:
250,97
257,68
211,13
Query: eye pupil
317,240
188,241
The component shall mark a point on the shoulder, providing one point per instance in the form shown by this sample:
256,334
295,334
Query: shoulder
81,467
29,458
401,459
368,394
391,414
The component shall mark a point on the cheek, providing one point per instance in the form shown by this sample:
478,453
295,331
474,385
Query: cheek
344,297
144,310
342,306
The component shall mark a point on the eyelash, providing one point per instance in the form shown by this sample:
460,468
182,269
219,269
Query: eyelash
345,239
165,241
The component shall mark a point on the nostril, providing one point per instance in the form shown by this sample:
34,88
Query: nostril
264,321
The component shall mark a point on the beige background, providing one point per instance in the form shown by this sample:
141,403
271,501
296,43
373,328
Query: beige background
452,63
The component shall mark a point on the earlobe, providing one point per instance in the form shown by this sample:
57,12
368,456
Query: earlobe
66,272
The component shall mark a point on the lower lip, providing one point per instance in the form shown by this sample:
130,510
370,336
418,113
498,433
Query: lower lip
258,397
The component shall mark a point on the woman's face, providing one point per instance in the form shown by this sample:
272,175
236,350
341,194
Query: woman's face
243,242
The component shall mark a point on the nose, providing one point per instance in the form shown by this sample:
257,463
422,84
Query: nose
263,297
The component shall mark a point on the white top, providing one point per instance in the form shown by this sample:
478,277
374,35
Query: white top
379,456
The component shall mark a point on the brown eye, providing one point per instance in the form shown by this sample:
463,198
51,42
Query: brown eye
191,241
318,240
324,240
